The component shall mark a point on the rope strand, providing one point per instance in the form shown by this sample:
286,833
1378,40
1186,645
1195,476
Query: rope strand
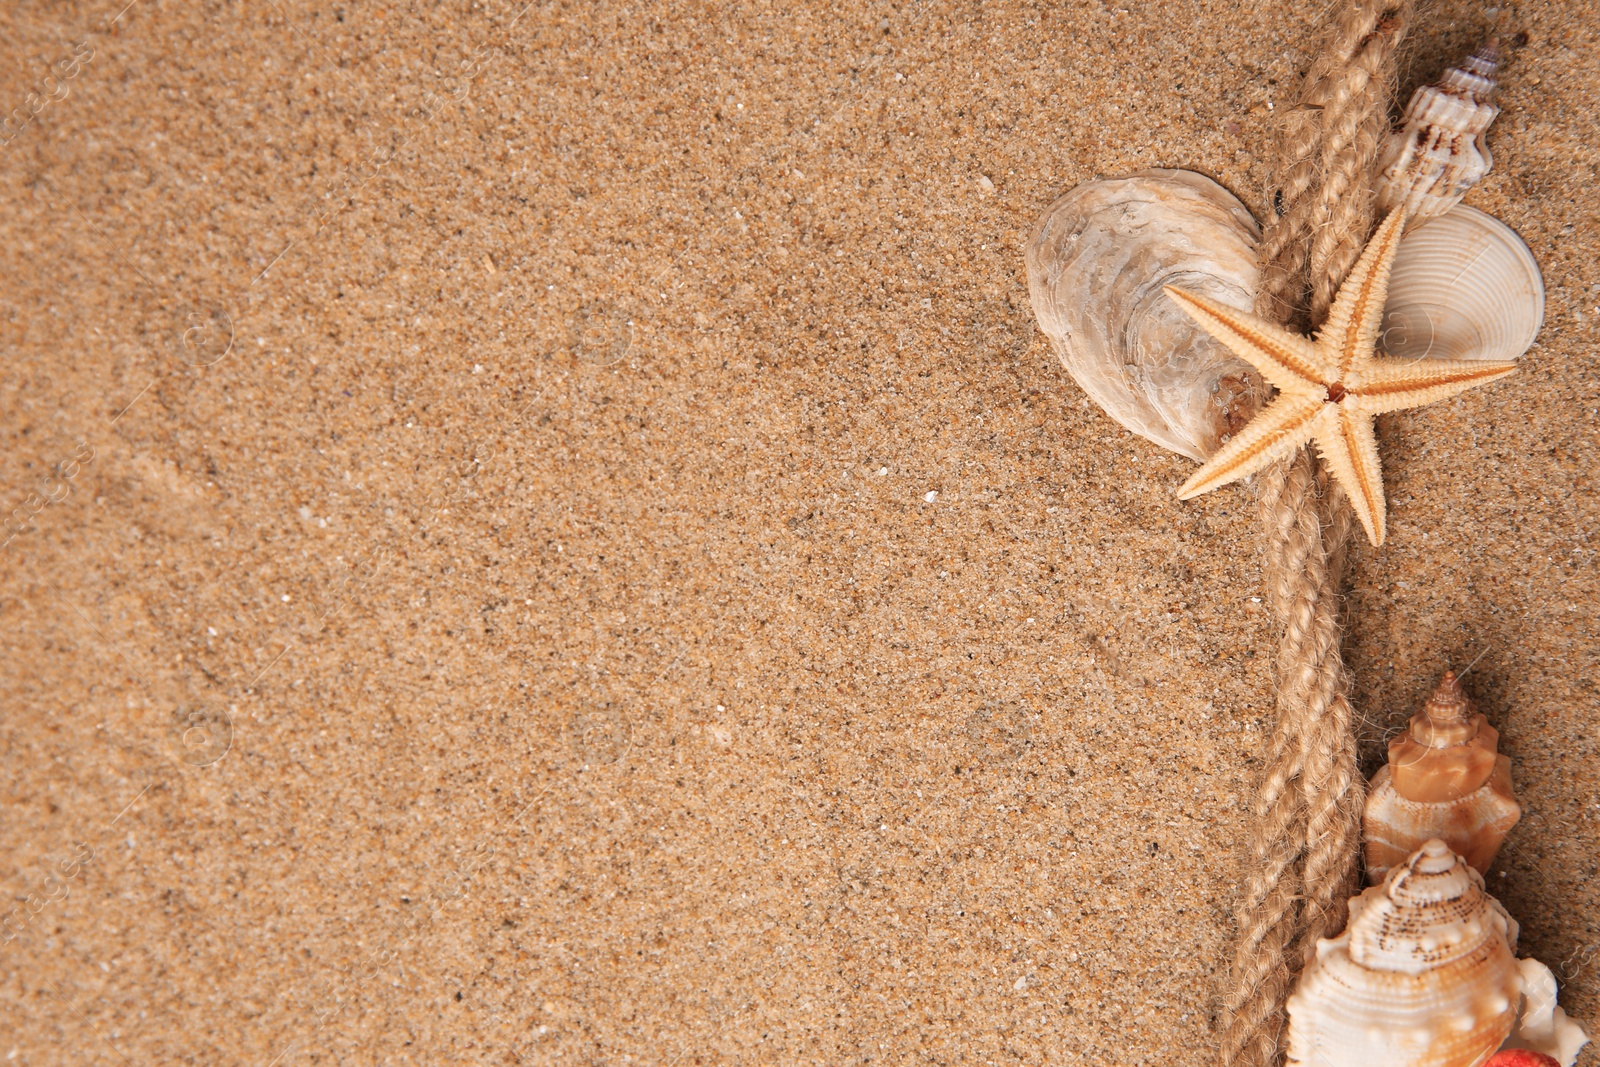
1308,813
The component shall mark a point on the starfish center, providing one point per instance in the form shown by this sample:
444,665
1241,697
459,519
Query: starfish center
1336,392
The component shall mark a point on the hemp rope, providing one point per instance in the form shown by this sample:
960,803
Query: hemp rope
1305,848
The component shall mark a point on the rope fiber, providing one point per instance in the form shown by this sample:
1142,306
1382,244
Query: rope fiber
1304,850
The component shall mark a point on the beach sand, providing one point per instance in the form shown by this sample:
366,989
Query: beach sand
555,538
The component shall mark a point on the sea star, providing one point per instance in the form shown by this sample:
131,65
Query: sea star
1331,385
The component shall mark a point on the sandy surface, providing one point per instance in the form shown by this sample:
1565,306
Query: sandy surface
586,559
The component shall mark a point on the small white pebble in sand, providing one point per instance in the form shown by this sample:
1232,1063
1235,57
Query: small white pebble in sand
985,184
931,496
477,368
883,472
286,598
1020,984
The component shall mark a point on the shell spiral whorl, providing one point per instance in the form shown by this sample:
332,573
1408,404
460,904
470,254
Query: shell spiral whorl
1424,976
1439,151
1445,779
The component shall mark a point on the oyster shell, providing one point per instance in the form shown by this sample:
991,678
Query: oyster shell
1096,268
1439,151
1463,286
1444,779
1423,976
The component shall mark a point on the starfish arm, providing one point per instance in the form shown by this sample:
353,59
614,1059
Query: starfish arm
1348,446
1276,431
1393,384
1351,329
1285,359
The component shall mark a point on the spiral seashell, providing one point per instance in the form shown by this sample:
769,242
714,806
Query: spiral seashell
1426,975
1423,976
1463,286
1444,779
1096,268
1439,151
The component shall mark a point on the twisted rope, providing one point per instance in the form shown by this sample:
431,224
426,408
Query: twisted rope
1308,814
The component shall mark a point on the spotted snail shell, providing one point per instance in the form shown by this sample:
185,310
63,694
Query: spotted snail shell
1096,268
1445,780
1439,151
1424,975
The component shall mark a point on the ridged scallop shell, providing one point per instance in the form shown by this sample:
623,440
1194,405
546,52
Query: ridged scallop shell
1096,268
1439,151
1464,286
1423,976
1444,779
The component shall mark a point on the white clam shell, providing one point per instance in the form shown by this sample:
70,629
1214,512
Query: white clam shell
1464,286
1096,268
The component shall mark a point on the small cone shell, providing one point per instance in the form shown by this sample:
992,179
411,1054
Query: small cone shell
1423,976
1439,151
1445,780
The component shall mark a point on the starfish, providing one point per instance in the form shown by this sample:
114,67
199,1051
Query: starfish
1329,386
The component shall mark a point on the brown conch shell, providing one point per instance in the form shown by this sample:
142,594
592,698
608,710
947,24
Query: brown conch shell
1444,779
1424,976
1439,151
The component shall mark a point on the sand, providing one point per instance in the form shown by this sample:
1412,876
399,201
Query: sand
555,538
